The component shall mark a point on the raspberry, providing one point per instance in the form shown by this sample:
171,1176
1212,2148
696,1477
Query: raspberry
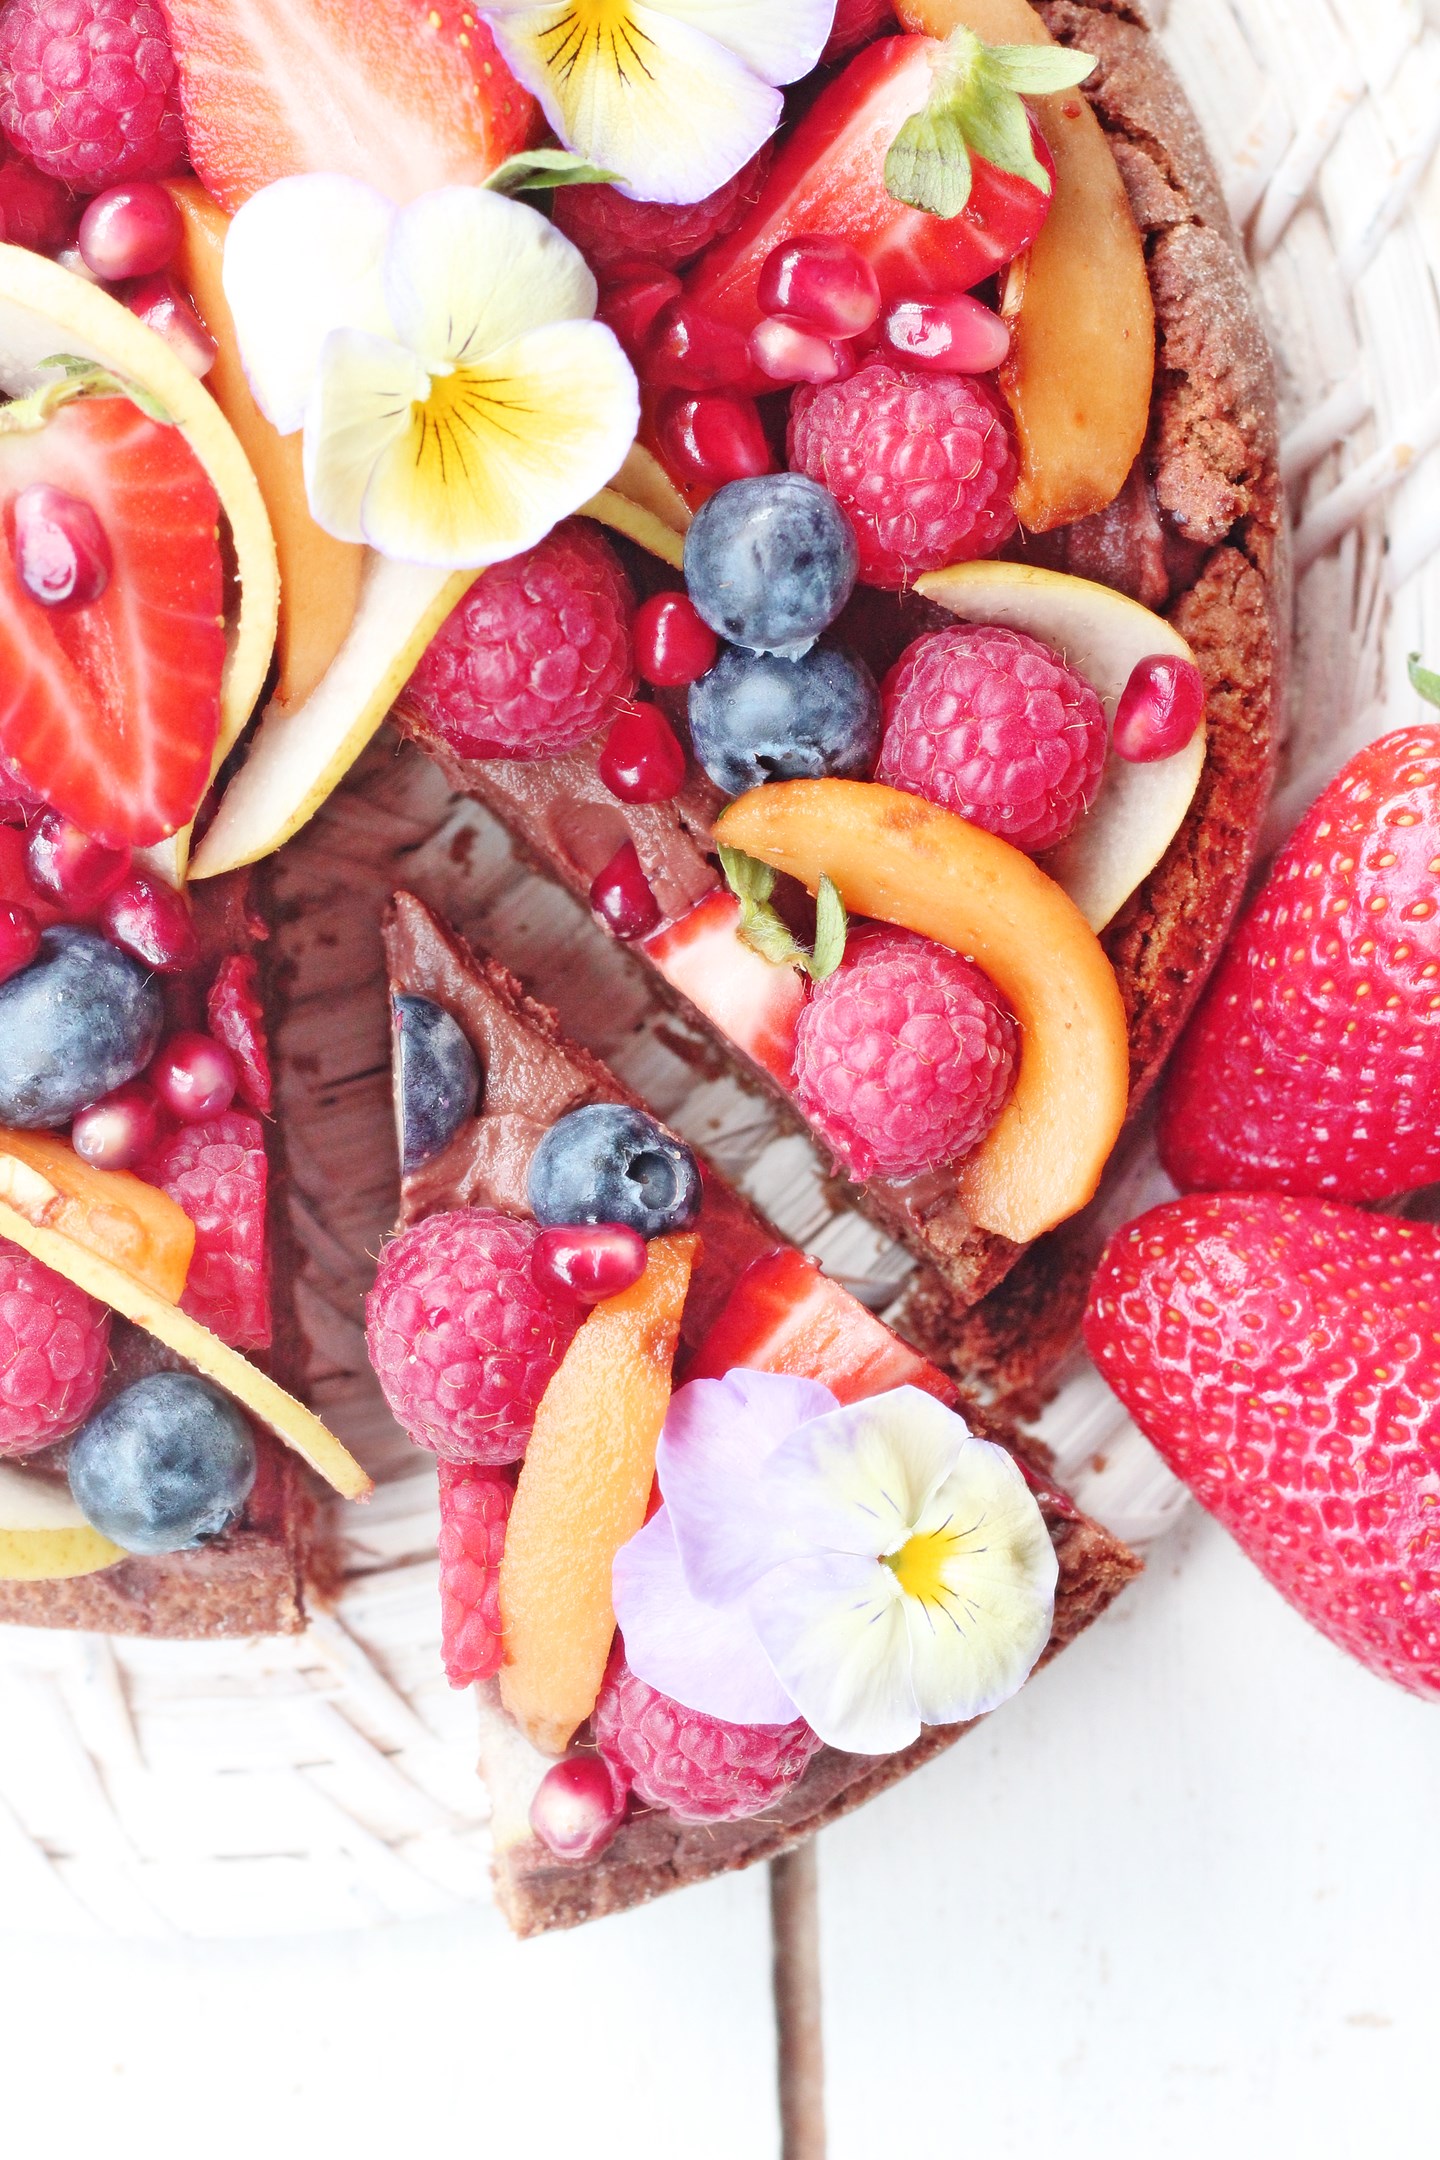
903,1056
53,1345
88,89
923,466
856,22
461,1335
699,1768
537,654
36,210
237,1019
993,725
217,1172
609,229
474,1509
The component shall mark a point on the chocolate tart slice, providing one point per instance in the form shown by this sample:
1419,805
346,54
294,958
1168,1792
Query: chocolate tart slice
1195,534
531,1075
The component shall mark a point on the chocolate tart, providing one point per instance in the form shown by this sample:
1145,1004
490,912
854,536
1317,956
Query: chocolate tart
251,1581
530,1076
1197,534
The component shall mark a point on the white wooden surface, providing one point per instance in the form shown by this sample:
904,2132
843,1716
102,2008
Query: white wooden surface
1180,1898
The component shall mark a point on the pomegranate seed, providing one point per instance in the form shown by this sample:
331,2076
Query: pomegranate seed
67,866
822,282
631,303
687,350
1160,708
130,231
714,437
674,645
952,336
621,895
194,1076
159,302
641,760
577,1807
150,919
788,352
119,1130
61,551
589,1261
19,939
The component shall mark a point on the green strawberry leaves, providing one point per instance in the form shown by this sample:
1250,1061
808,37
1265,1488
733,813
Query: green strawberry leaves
532,172
765,932
1424,680
977,109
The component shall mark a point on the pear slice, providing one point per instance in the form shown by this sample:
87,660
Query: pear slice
298,1427
1101,634
45,310
43,1535
644,504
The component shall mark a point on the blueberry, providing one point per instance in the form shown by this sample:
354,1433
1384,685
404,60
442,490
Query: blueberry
437,1077
607,1163
80,1020
770,562
166,1465
755,718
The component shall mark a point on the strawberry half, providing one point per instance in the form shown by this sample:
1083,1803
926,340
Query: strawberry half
1313,1059
755,1004
1284,1357
111,710
406,94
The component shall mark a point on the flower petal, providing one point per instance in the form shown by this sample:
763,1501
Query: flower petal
361,409
302,258
639,92
833,1626
705,1658
717,1436
468,271
975,1640
497,454
857,1480
779,40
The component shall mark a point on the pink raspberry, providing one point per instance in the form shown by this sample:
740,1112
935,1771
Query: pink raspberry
536,655
36,210
904,1056
474,1510
237,1019
993,725
610,230
54,1342
697,1767
217,1171
461,1335
856,22
88,89
923,466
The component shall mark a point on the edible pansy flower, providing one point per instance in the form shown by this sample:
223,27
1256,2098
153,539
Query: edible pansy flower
457,400
673,95
872,1568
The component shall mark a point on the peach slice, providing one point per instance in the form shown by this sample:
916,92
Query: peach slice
109,1212
1082,320
584,1486
1102,634
902,860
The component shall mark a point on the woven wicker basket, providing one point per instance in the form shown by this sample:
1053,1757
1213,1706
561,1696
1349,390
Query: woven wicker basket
326,1782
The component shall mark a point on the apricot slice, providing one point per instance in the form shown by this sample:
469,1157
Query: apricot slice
109,1212
319,576
584,1487
43,1535
1102,634
1081,315
902,860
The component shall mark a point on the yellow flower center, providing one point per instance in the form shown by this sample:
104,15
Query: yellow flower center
597,30
919,1566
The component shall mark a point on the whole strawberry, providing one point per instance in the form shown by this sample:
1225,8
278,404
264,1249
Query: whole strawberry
1313,1061
1284,1357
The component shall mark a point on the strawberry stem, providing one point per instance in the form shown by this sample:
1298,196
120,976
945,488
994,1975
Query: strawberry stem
764,930
976,109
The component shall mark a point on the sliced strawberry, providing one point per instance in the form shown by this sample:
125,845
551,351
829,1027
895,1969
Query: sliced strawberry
111,710
237,1018
830,178
407,94
784,1316
752,1001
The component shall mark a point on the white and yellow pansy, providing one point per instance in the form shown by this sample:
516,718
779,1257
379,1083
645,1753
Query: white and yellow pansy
456,397
673,95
